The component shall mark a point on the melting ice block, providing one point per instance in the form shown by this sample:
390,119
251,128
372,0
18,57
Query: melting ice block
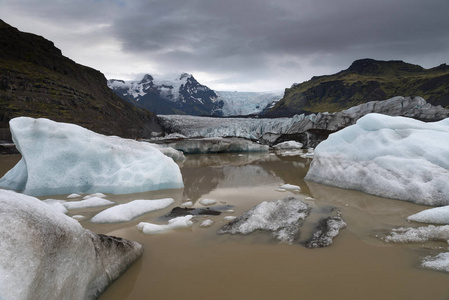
48,255
61,158
392,157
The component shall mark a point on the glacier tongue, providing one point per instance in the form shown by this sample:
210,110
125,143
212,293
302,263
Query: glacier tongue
60,158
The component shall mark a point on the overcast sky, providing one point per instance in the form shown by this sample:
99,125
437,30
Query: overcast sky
244,45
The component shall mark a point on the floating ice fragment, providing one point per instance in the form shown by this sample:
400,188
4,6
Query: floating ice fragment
78,217
439,262
72,196
290,187
128,211
98,195
207,202
186,204
207,223
89,202
230,218
179,222
420,234
438,215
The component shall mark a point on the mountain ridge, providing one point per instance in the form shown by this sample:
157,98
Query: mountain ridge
365,80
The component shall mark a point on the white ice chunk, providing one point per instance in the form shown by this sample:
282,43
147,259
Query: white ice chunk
48,255
207,223
392,157
438,215
78,217
98,195
89,202
290,187
288,145
179,222
208,202
128,211
439,262
61,158
187,204
230,218
420,234
74,195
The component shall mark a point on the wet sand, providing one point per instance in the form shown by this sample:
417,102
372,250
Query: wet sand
196,263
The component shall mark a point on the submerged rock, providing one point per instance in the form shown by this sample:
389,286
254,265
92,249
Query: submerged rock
61,158
48,255
184,211
282,217
327,230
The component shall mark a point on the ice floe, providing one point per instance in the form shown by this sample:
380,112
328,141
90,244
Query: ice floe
176,223
207,223
131,210
89,202
208,202
288,145
290,187
282,217
388,157
48,255
419,234
61,158
437,215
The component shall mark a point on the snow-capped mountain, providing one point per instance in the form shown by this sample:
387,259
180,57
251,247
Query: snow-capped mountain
246,103
179,95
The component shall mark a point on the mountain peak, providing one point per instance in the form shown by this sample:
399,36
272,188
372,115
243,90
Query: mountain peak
146,78
369,66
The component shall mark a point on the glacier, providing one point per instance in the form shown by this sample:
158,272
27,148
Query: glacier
391,157
62,158
270,129
48,255
246,103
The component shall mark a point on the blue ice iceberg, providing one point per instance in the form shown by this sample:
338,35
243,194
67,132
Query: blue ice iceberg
61,158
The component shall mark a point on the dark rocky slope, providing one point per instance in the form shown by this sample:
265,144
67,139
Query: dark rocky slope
36,80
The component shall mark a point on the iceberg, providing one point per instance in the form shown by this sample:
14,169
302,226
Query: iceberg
282,217
391,157
61,158
48,255
128,211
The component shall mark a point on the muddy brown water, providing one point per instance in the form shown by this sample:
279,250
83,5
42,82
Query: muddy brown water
196,263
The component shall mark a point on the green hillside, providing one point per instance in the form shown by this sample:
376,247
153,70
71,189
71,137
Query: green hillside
365,80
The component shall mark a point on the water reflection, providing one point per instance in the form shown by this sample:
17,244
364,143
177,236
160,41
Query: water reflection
205,173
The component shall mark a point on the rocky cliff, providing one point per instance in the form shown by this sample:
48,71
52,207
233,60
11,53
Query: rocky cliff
36,80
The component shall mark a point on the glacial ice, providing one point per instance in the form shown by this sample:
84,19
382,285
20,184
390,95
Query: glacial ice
207,223
216,145
418,235
288,145
290,187
207,202
437,215
439,262
179,222
282,217
60,158
388,157
89,202
131,210
256,128
48,255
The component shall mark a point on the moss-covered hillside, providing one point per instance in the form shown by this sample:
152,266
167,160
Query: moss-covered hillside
36,80
365,80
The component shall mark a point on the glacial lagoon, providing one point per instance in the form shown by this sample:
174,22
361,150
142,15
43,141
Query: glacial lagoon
197,263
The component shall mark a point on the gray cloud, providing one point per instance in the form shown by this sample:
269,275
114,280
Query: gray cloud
247,41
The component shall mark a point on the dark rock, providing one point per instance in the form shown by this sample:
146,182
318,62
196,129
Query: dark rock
327,230
184,211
